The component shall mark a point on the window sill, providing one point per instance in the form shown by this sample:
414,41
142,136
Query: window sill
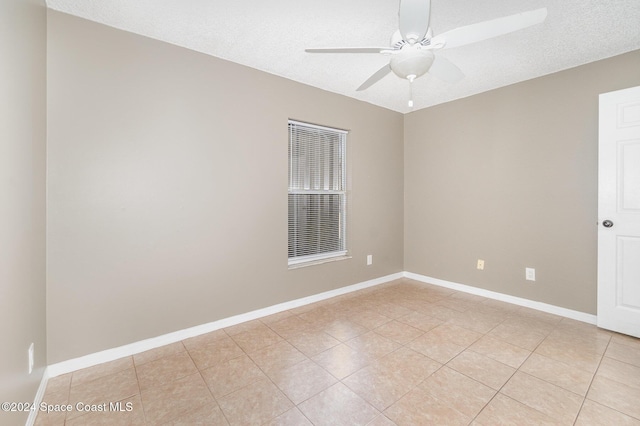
318,262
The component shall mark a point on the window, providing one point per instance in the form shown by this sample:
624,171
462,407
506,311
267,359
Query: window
317,195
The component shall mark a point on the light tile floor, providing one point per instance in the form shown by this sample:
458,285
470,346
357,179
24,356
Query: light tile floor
402,353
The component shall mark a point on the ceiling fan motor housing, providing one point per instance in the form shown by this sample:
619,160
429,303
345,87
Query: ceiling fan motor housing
412,60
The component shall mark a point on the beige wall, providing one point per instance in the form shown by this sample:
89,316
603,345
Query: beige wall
510,176
22,200
167,182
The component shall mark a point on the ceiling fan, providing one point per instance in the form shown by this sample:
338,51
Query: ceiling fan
413,45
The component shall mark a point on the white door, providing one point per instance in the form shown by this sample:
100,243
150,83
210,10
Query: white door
619,212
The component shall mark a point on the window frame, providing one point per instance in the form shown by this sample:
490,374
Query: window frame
327,256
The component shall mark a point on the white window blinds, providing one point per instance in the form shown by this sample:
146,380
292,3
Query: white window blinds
317,192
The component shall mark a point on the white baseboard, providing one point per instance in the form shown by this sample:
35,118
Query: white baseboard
38,398
540,306
165,339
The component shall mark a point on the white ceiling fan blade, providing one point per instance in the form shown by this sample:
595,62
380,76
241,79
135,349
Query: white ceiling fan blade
445,70
484,30
377,76
347,50
414,19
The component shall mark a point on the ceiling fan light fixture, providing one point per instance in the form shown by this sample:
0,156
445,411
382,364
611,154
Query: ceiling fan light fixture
411,60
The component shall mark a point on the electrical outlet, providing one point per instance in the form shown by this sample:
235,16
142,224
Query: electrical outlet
530,274
369,259
30,358
480,264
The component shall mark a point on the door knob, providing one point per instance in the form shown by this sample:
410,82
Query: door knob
607,223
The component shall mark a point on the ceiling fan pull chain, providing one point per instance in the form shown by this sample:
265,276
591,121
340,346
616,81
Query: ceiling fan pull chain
411,78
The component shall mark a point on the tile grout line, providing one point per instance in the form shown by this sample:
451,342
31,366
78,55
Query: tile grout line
497,391
269,378
205,382
591,381
524,372
531,352
135,369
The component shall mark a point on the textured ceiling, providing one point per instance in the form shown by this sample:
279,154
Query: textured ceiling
271,35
